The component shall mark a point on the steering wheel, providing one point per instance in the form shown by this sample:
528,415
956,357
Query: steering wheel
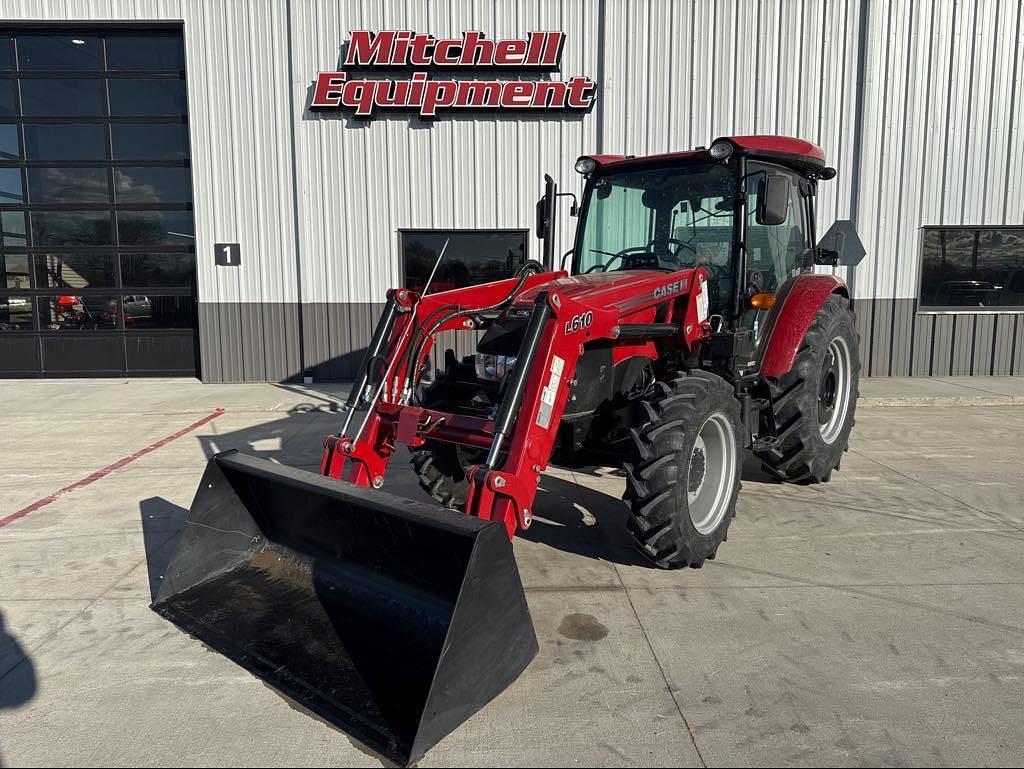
648,249
679,244
614,257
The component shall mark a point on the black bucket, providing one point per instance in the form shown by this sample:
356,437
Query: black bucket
392,619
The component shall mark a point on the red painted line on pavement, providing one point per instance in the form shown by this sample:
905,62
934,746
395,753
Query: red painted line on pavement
108,469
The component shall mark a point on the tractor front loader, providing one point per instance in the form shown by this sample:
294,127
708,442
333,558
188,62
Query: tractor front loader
689,328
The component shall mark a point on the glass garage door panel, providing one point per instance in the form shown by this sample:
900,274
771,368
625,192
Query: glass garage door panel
97,234
18,354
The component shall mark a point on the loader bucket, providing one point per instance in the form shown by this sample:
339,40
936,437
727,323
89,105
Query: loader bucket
391,619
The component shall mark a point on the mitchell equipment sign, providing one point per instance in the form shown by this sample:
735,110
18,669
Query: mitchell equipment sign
428,95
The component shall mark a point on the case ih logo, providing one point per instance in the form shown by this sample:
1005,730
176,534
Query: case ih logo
428,95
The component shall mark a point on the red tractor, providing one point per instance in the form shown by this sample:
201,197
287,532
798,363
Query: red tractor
688,327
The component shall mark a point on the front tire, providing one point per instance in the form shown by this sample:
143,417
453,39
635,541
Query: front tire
814,402
441,467
684,473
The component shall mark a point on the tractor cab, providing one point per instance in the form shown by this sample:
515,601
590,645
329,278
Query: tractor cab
741,209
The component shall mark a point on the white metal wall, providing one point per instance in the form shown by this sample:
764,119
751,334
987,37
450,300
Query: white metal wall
362,181
674,75
239,105
916,102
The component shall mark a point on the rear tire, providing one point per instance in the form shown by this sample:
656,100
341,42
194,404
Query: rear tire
684,473
814,402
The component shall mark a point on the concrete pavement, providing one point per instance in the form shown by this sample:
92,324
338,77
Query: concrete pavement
878,619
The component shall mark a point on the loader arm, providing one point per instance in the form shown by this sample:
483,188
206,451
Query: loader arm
565,315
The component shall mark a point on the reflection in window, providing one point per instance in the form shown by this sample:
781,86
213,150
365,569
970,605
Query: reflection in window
148,184
7,98
79,228
147,97
12,229
61,98
10,185
158,269
150,141
65,141
972,267
149,312
14,271
472,257
155,228
95,119
6,53
151,52
776,251
15,313
72,312
68,185
9,142
59,52
75,270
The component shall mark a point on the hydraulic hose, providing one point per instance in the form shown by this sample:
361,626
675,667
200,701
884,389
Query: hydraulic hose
413,361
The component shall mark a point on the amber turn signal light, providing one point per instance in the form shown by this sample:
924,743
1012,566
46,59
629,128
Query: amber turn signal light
762,301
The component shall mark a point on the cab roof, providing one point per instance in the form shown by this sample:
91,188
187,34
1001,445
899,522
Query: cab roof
799,154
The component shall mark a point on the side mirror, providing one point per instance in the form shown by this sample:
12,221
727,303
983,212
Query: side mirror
773,199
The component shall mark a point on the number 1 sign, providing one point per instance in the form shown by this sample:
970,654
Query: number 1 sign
227,254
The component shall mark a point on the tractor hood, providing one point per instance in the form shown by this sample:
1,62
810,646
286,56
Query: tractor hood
625,291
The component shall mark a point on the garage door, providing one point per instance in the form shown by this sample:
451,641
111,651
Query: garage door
97,248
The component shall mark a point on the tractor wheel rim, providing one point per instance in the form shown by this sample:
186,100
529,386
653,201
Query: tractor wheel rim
834,390
711,472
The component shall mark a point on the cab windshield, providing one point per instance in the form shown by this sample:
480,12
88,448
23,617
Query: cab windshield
660,218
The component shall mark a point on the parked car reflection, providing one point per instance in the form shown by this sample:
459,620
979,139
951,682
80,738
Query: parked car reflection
68,312
15,313
968,293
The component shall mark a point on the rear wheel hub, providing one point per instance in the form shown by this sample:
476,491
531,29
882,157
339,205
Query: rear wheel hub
710,473
834,391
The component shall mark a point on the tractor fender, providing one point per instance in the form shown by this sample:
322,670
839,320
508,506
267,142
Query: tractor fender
797,302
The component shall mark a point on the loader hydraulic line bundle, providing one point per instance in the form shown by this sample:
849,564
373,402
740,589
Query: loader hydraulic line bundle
689,327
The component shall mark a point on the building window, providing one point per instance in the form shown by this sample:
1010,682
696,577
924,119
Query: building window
472,257
97,246
972,267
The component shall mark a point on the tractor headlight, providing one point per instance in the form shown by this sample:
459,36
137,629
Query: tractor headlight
586,166
720,150
493,368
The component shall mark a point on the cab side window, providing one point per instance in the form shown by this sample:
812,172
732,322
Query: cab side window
776,252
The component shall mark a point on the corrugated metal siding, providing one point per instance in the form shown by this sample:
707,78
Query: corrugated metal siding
941,145
241,167
916,103
361,181
240,104
679,74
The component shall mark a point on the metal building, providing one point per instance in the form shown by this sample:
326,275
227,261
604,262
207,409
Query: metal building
122,258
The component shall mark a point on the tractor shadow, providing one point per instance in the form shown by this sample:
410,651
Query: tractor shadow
293,437
588,518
